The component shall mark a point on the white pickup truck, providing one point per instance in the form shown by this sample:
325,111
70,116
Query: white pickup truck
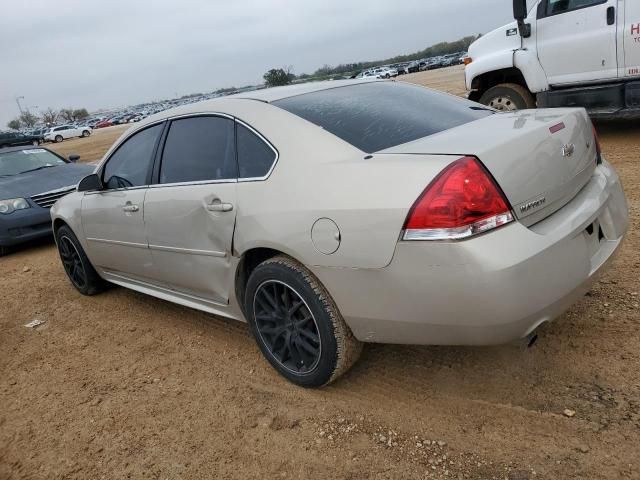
561,53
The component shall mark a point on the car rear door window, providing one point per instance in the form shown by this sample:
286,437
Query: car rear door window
129,166
199,149
255,156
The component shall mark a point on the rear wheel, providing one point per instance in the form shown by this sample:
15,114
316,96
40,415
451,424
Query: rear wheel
76,264
508,97
35,143
58,138
297,325
3,251
86,133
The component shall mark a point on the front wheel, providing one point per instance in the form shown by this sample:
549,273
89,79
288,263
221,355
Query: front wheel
58,138
296,324
35,143
85,133
508,97
76,264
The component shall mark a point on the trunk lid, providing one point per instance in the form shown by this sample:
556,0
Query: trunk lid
540,158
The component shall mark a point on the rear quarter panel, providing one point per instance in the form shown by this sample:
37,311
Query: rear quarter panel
320,176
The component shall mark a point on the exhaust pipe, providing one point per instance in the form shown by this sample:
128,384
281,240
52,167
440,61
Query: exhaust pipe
525,343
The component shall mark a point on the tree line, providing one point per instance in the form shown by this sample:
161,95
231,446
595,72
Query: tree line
50,116
283,76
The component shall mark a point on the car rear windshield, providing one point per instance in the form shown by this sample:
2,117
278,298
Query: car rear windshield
379,115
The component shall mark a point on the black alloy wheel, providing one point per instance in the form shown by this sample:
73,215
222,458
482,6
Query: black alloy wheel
72,262
76,264
296,323
287,327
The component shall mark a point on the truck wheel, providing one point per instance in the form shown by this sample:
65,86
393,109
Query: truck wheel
508,97
297,325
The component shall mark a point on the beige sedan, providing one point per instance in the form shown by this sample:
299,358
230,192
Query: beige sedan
331,214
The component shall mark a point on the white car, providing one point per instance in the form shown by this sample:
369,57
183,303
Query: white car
63,132
386,72
368,75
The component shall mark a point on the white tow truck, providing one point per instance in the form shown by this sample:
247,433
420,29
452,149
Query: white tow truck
561,53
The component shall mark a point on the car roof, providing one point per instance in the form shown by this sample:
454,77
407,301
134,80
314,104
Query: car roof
266,95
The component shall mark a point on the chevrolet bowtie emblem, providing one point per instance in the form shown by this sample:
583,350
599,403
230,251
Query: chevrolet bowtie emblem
568,149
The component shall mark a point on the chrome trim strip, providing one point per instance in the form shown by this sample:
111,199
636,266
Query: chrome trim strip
117,242
199,182
188,251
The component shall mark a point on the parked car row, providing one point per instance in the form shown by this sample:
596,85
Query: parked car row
390,71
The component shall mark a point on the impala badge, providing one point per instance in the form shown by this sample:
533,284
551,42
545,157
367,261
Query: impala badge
568,150
538,202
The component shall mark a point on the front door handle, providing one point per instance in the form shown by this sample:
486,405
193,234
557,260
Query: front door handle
130,208
220,207
611,15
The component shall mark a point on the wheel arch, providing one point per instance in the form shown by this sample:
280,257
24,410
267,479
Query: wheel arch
483,82
57,223
249,260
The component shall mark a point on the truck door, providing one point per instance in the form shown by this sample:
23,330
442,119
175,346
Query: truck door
631,39
576,40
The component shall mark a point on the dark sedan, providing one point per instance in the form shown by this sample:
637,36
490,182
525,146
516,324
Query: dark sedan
31,180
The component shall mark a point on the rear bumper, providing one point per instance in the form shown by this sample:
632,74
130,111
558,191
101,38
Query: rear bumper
24,225
491,289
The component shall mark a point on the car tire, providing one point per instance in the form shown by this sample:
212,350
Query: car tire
58,138
508,97
76,263
312,331
85,133
4,251
35,143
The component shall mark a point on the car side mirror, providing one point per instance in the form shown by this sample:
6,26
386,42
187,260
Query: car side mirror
90,183
74,157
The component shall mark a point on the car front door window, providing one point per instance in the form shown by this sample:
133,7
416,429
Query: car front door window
129,166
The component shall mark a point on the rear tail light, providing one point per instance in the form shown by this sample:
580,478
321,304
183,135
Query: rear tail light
462,201
598,149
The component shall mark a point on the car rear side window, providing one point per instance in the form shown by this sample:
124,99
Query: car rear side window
129,165
255,157
199,149
379,115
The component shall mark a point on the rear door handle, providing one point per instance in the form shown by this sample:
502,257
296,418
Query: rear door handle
611,15
130,208
220,207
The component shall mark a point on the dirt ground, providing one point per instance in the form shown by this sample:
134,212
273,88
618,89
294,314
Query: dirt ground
122,385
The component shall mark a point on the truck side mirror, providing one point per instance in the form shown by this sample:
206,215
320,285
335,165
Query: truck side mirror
520,14
520,10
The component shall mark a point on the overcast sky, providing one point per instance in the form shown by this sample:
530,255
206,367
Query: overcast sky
68,53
